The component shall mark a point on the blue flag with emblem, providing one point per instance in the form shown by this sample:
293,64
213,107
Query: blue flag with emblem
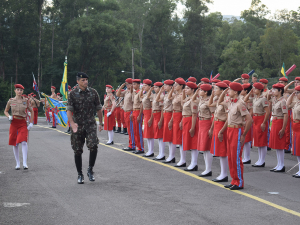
59,109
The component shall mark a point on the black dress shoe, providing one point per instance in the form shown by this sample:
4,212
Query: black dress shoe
225,179
125,131
90,174
52,127
297,176
193,169
17,168
25,167
247,162
228,186
182,165
206,175
80,179
262,165
171,161
272,170
269,149
128,149
235,187
294,175
287,151
152,155
280,171
163,158
111,143
138,152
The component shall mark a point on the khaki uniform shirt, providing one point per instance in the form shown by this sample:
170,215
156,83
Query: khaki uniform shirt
296,111
249,104
177,102
136,99
259,103
147,101
157,105
167,103
215,100
34,103
189,107
203,109
18,108
128,103
237,110
279,107
83,104
108,102
286,95
265,92
221,112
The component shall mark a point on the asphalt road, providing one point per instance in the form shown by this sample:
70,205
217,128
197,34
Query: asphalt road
130,189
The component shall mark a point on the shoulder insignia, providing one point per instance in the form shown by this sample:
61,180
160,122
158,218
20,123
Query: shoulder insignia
284,107
244,108
266,102
195,107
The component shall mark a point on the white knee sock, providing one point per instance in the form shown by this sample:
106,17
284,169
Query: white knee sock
263,152
224,168
16,153
259,156
150,142
277,154
161,148
172,149
24,152
298,157
110,136
182,156
246,151
281,165
208,161
194,159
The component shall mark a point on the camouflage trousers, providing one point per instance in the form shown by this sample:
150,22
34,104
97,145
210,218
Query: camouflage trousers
84,132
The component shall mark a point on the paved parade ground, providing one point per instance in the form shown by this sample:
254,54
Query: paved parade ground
130,189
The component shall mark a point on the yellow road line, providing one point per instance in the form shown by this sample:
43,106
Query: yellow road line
200,178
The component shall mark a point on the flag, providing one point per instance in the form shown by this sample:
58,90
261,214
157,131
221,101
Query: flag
290,69
59,109
64,84
34,86
251,72
216,77
283,71
211,78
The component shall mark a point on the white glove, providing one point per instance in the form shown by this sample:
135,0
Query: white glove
10,118
29,126
108,114
60,101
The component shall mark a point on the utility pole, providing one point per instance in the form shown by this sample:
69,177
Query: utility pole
132,63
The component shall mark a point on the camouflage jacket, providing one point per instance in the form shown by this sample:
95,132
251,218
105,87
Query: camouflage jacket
83,105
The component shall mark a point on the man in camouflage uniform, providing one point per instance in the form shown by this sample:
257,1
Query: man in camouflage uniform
83,101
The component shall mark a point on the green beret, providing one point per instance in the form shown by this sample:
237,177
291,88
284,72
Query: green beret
254,75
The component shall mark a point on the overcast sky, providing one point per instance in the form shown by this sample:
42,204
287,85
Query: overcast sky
234,7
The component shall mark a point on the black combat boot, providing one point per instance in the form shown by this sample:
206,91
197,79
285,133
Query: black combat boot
68,131
90,174
118,130
93,156
125,131
78,163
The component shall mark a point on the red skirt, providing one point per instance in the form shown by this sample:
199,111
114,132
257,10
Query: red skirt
177,133
204,142
18,131
189,143
158,133
296,139
168,134
249,136
111,121
219,148
148,131
260,137
275,141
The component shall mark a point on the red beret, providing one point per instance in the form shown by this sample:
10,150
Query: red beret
297,78
245,86
24,96
69,87
180,81
259,86
136,80
169,82
245,76
279,86
58,93
53,87
192,85
109,86
236,86
226,82
284,79
222,85
34,95
128,80
205,87
122,90
158,84
113,91
205,80
215,81
147,81
297,88
265,81
191,79
19,86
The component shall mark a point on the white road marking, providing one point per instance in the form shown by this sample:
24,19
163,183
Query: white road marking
14,204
